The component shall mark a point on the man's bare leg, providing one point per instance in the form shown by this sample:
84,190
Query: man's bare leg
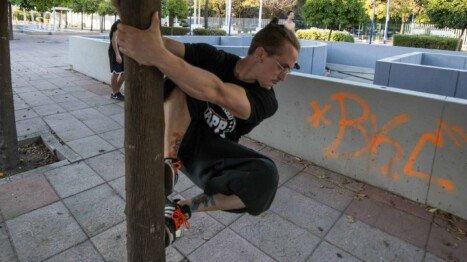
120,81
177,120
114,83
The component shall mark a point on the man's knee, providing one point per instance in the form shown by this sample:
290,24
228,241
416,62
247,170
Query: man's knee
266,181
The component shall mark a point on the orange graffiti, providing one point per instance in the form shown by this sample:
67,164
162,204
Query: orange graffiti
371,141
344,123
381,137
375,137
318,115
436,139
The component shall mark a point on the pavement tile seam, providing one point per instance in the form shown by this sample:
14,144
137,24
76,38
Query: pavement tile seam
40,170
330,228
100,154
77,244
10,239
317,200
391,196
235,232
381,227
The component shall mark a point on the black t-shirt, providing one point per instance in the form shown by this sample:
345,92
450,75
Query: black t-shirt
263,102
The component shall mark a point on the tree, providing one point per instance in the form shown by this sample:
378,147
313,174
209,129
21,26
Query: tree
247,8
144,143
10,20
90,7
9,156
175,8
449,13
79,6
278,7
404,9
206,13
25,5
105,8
334,14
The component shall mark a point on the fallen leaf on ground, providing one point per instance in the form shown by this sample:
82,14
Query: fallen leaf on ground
386,244
323,177
350,219
359,196
432,210
1,175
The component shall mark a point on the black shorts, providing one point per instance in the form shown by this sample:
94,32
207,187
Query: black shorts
114,66
221,166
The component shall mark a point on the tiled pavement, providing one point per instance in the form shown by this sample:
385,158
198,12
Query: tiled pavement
74,211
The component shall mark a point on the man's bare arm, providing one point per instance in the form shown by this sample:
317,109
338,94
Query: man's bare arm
175,47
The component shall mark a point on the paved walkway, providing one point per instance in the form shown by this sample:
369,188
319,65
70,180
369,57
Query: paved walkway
73,209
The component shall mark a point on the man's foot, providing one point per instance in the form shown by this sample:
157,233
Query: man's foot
171,174
175,216
118,96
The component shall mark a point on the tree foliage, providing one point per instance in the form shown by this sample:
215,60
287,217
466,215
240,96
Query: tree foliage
106,8
448,13
333,14
175,8
278,8
24,4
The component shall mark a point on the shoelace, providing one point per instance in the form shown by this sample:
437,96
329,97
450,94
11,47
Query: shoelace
180,219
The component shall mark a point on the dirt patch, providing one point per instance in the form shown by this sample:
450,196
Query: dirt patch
31,156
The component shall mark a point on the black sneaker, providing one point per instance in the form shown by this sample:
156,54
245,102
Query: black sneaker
175,216
171,174
118,96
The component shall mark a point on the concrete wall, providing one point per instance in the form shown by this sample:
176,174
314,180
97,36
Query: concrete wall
89,56
364,55
424,72
384,136
450,161
449,61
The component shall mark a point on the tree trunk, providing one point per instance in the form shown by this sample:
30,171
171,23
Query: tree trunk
92,18
402,26
459,41
206,15
144,143
82,21
102,21
329,36
9,156
10,19
171,20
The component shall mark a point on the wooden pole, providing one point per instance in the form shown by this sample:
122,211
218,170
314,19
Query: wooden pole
8,138
144,143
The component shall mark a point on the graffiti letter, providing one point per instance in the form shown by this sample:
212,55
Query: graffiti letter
318,115
331,151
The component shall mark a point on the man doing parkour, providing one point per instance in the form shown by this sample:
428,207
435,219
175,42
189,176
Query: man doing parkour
211,99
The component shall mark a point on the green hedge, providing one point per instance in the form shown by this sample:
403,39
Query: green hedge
174,30
323,34
426,41
340,36
202,31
